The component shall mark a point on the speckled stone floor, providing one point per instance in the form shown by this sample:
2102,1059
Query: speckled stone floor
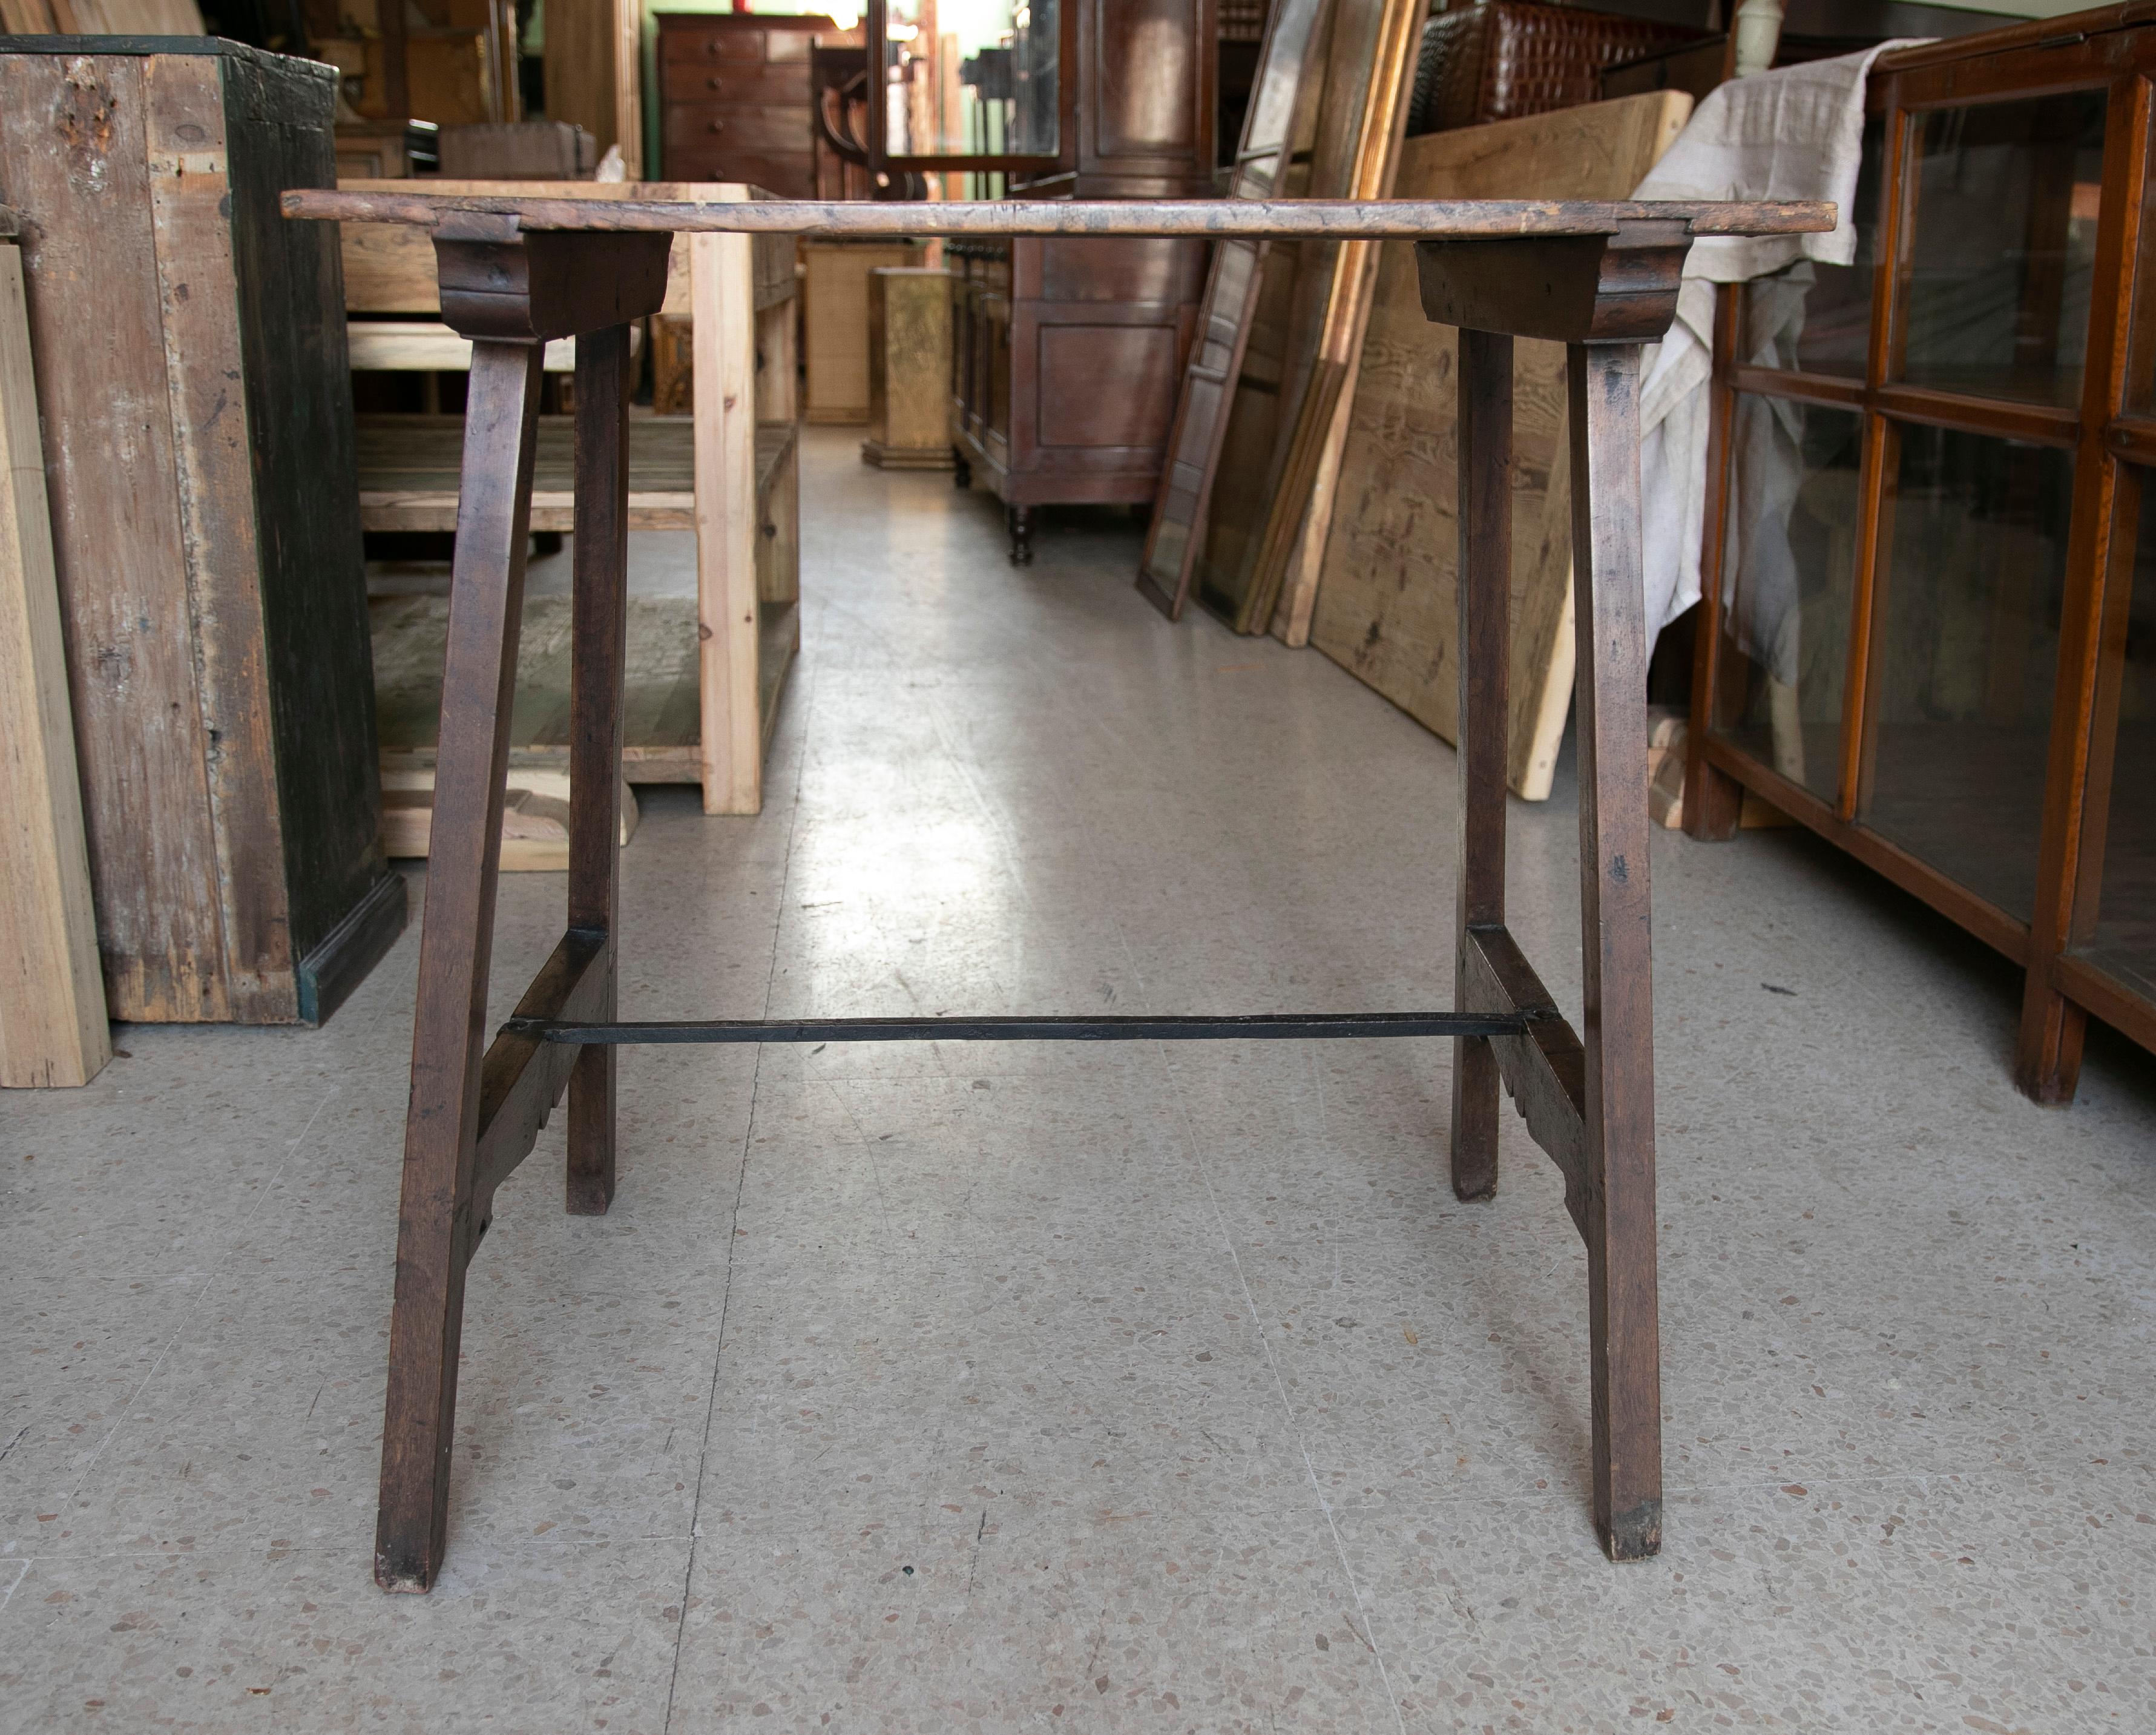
973,1389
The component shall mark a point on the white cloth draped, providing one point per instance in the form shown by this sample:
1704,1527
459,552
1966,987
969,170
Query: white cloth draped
1796,133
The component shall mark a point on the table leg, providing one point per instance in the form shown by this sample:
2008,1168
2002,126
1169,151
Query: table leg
1485,587
596,652
435,1228
1610,612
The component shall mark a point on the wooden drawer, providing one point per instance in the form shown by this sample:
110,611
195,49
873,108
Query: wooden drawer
700,43
790,174
718,126
733,81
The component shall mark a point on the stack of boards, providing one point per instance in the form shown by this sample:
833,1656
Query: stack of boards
1280,321
1311,476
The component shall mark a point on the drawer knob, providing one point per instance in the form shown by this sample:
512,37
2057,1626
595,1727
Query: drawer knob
712,82
718,126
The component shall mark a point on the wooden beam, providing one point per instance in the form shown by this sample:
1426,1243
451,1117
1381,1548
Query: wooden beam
436,1226
1322,219
727,607
551,509
1485,496
1545,1071
522,1079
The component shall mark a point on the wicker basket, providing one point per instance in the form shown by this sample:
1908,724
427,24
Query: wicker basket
1501,60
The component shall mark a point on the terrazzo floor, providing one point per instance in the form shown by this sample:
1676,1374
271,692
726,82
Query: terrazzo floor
964,1388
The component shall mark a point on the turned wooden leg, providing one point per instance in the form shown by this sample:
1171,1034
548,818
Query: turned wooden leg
1021,536
597,652
434,1227
1617,1026
1485,590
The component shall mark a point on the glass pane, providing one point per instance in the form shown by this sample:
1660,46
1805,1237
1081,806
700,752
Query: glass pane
2003,247
1789,570
1815,317
2124,941
1966,657
970,78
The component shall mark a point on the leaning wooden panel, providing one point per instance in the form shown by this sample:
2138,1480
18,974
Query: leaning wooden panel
1287,577
52,992
197,436
1385,608
1288,368
592,73
1280,349
1223,317
1353,274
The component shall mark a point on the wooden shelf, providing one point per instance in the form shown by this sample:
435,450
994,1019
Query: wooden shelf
408,471
701,695
778,640
660,722
660,717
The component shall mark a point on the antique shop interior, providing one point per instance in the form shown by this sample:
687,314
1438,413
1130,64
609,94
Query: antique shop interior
1321,833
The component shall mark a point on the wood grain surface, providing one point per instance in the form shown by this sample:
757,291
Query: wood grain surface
1385,608
437,1227
108,461
53,1029
1409,219
1348,274
1215,361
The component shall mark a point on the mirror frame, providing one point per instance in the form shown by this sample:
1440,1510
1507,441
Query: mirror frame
1065,159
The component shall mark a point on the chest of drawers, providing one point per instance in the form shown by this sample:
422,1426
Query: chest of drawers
733,99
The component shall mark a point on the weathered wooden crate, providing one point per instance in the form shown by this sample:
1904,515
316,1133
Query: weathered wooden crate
197,406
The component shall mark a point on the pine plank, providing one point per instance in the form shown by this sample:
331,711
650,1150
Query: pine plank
53,1029
1385,608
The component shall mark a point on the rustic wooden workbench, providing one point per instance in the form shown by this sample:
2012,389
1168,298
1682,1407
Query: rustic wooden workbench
518,272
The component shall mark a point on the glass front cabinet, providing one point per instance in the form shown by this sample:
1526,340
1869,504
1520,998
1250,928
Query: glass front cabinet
1928,629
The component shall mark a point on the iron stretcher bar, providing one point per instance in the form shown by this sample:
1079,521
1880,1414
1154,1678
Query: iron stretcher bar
1282,1026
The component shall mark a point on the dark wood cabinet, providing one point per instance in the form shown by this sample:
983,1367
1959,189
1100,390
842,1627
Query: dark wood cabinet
733,99
1928,629
1066,354
1066,358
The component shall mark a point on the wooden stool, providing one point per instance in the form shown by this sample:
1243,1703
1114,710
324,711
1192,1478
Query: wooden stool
516,273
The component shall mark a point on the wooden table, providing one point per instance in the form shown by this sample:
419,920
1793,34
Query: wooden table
518,272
